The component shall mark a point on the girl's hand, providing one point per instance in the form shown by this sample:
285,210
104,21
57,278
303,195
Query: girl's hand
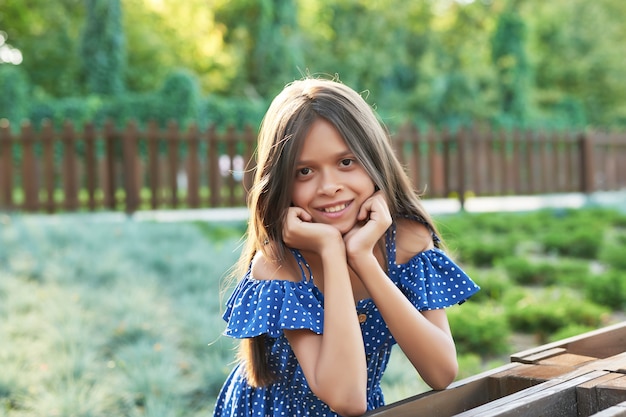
300,232
374,219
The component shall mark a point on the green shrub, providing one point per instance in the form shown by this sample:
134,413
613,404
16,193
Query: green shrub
607,289
479,328
569,331
613,253
482,250
576,242
14,100
493,284
548,311
524,271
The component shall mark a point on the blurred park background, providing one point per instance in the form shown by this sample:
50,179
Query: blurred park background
110,313
536,63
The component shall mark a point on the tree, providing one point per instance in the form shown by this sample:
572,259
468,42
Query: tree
102,47
508,54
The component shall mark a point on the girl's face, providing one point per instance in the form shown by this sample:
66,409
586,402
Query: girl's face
330,184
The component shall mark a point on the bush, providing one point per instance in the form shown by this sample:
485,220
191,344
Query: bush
578,243
14,99
545,272
613,254
607,289
493,284
484,250
546,312
479,328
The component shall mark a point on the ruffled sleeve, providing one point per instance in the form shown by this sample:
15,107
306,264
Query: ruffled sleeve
431,280
259,307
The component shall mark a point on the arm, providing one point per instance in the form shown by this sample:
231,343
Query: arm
334,362
423,336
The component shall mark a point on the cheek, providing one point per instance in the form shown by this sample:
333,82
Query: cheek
298,194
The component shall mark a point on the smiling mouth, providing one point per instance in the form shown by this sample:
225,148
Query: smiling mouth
335,209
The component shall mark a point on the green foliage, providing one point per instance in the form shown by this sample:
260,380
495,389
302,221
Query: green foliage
179,97
494,284
482,250
570,331
479,328
581,243
233,111
102,47
14,88
111,318
509,58
525,271
449,63
607,288
547,312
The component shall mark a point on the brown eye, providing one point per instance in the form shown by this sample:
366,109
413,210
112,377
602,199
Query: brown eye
347,162
304,172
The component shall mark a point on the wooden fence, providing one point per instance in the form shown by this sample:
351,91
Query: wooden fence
55,169
581,376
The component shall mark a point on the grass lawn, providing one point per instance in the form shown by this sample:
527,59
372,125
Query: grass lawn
123,318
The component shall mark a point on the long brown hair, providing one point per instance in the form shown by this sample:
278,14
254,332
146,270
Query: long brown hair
282,131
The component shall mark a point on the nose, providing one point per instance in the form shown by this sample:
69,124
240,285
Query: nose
329,184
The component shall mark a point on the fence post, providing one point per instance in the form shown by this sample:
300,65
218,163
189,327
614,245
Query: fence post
69,164
129,155
461,176
193,173
585,151
172,154
215,184
29,169
110,200
6,165
49,176
90,164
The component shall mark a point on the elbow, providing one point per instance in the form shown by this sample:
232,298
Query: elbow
349,404
443,377
350,409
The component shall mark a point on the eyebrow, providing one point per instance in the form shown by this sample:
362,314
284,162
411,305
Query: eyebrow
336,156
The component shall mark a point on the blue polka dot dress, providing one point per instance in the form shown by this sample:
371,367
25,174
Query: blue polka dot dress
430,280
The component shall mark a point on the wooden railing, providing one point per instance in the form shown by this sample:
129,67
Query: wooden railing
67,169
581,376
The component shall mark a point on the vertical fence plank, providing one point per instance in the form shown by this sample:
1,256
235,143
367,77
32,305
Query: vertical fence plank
249,167
193,168
437,174
6,166
215,182
49,139
29,169
108,176
69,167
231,142
91,165
129,159
505,164
585,149
461,175
172,162
154,173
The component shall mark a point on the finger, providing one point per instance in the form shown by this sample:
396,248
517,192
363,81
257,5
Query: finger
301,214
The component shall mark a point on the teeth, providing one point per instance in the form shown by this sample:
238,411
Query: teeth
335,208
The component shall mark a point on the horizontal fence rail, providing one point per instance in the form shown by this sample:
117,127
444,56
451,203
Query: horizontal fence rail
134,168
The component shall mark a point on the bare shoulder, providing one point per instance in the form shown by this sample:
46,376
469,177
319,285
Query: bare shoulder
264,268
412,237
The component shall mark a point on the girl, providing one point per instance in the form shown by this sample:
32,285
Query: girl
341,262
